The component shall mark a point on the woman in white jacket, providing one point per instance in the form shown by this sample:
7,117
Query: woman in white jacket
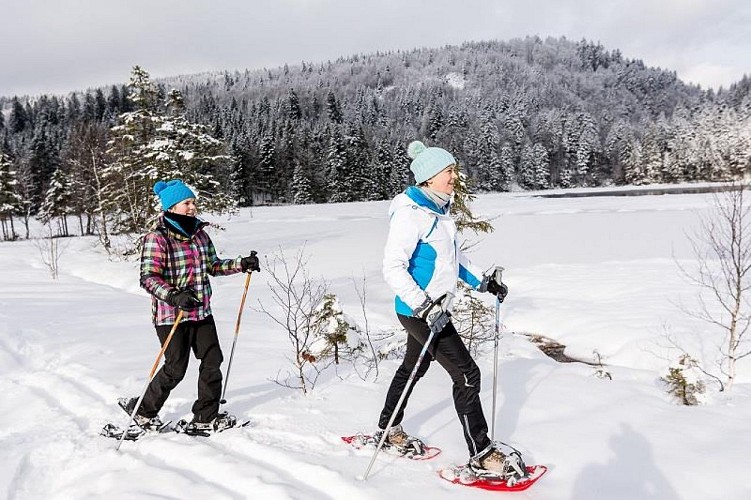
422,262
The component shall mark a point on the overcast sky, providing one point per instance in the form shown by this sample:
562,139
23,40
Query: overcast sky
56,46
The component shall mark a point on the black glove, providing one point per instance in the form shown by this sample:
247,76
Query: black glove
184,299
434,313
251,262
492,283
498,289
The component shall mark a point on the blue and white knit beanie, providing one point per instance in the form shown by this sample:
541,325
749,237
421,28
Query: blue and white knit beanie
426,162
172,192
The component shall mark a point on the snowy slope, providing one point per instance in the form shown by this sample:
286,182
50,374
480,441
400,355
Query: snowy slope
592,273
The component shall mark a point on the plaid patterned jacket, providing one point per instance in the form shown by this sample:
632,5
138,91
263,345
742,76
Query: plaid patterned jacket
170,260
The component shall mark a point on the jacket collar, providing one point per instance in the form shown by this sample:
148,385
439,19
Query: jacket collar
415,194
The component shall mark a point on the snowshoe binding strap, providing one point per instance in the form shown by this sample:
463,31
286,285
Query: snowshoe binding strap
511,469
514,468
414,447
132,433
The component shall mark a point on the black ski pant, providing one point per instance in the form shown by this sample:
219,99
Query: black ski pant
448,349
201,338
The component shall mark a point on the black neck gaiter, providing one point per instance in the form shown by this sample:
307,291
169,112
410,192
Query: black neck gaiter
185,224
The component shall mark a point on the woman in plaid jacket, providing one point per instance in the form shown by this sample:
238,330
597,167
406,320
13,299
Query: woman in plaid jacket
176,261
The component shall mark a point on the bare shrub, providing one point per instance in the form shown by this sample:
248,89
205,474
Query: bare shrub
50,249
722,246
297,297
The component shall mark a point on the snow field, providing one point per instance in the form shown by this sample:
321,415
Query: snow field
591,273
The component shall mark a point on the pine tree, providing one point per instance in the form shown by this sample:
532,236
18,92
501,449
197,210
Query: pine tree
294,105
460,209
57,200
587,147
491,174
540,167
336,169
433,119
633,172
89,108
10,201
330,328
301,185
332,106
130,170
240,177
26,189
527,177
506,166
268,176
43,160
514,128
100,105
19,119
651,157
73,110
683,381
84,158
358,181
114,102
616,145
399,173
156,142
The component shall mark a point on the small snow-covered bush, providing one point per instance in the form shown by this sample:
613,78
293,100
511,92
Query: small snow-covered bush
332,331
684,382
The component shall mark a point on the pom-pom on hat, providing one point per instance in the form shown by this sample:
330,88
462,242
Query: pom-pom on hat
172,192
426,162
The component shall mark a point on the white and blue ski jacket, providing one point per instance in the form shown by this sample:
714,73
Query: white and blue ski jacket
422,256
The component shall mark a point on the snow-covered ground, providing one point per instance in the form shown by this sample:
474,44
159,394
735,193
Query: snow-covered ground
596,274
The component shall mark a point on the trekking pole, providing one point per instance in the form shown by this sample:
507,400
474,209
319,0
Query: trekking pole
401,399
237,332
497,274
151,374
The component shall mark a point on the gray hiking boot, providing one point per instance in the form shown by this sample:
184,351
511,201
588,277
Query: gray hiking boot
401,441
222,421
397,436
145,423
491,461
149,424
499,460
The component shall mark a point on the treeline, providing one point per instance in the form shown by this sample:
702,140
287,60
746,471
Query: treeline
523,114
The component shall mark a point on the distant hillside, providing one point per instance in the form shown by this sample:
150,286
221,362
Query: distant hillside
528,112
520,114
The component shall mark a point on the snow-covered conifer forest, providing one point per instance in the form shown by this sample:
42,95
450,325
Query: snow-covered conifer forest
521,114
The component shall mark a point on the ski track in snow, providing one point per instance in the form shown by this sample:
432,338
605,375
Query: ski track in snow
66,392
63,392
